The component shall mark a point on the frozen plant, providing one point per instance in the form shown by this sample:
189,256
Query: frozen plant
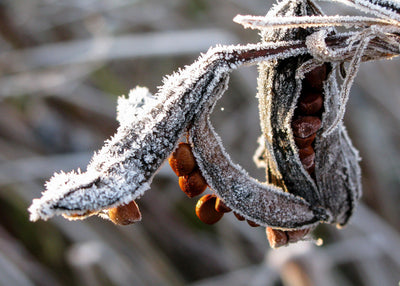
312,168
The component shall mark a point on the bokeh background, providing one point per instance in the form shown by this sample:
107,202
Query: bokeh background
62,66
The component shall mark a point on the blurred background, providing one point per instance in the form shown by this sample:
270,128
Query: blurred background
62,66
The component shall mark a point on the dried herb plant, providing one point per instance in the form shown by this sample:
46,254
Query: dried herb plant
312,168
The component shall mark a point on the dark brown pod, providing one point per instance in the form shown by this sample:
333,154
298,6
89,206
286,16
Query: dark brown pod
182,160
304,142
238,216
125,214
315,78
310,102
252,223
305,126
193,184
277,237
307,157
205,209
221,207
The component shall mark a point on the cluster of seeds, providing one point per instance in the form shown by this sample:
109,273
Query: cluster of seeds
307,118
209,208
306,122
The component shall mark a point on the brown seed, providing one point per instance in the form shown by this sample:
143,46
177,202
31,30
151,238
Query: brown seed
238,216
305,126
182,160
125,214
307,158
205,209
304,142
252,223
310,102
315,78
221,207
277,237
193,184
296,235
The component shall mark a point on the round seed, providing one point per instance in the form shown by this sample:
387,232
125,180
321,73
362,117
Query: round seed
193,184
315,78
305,126
205,209
221,207
276,237
310,102
304,142
125,214
182,160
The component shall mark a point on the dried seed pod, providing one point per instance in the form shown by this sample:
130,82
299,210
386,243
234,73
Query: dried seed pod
193,184
252,223
238,216
304,142
205,209
306,126
276,237
125,214
310,102
315,78
182,160
221,207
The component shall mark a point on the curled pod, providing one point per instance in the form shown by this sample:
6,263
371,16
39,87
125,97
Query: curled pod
205,209
299,100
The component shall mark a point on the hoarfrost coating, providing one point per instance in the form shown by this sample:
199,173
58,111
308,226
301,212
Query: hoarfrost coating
151,126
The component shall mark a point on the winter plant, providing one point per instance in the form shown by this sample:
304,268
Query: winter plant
312,168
